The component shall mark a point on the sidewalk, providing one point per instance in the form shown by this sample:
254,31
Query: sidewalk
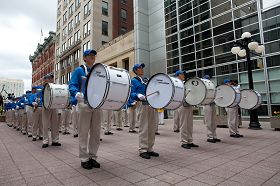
252,160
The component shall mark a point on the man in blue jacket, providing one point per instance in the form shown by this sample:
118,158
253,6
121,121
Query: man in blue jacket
148,115
89,119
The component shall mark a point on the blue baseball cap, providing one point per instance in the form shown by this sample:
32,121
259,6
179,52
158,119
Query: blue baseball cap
27,92
48,76
136,66
226,81
178,72
206,77
90,51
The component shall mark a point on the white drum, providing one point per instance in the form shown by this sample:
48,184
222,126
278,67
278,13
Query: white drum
165,92
56,96
250,99
227,96
199,91
107,87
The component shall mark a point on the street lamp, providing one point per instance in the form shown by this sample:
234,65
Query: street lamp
242,49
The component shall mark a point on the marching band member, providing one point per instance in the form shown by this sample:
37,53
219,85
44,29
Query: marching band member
209,120
75,116
125,116
131,112
50,120
232,114
29,111
185,117
22,115
17,114
65,120
147,116
107,121
118,119
36,101
89,119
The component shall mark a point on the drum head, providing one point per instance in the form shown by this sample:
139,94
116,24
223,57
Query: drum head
96,85
47,96
249,99
195,90
225,96
164,85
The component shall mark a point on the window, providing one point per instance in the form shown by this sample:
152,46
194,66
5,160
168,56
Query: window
70,26
63,47
70,41
77,36
65,17
123,15
71,9
104,8
77,3
86,46
64,32
87,9
104,28
126,64
123,30
87,29
77,19
58,24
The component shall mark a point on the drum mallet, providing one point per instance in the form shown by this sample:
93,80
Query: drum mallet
156,92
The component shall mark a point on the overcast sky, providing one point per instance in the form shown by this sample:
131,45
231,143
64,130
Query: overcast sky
20,27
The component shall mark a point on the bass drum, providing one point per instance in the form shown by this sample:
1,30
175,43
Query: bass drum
107,87
250,99
227,96
165,92
199,91
56,96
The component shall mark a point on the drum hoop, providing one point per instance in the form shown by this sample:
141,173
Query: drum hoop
106,91
230,106
204,88
172,89
51,95
129,91
257,97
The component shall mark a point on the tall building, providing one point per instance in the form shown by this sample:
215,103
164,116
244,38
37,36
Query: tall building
122,16
201,33
81,24
9,86
43,59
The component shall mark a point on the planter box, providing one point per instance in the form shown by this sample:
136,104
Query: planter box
275,123
2,118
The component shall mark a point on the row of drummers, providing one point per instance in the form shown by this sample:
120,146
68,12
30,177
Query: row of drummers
109,88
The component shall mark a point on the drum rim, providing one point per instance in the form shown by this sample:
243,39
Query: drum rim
204,88
231,105
51,93
255,104
87,80
172,89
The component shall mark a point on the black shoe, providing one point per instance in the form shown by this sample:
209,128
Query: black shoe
177,131
155,154
17,129
67,132
58,131
29,136
86,165
76,135
217,140
132,131
108,133
126,126
186,146
100,139
94,163
63,133
241,136
119,129
40,138
10,125
24,133
234,136
145,155
137,127
34,139
56,144
211,140
45,145
157,133
193,145
114,125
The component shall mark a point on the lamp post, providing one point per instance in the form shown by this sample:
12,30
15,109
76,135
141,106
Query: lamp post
242,49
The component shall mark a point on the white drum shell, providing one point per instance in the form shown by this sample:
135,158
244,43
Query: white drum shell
107,87
226,96
199,91
250,99
56,96
171,92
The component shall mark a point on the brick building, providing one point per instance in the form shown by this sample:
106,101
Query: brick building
43,59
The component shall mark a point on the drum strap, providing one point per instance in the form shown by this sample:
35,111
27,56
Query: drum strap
85,69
